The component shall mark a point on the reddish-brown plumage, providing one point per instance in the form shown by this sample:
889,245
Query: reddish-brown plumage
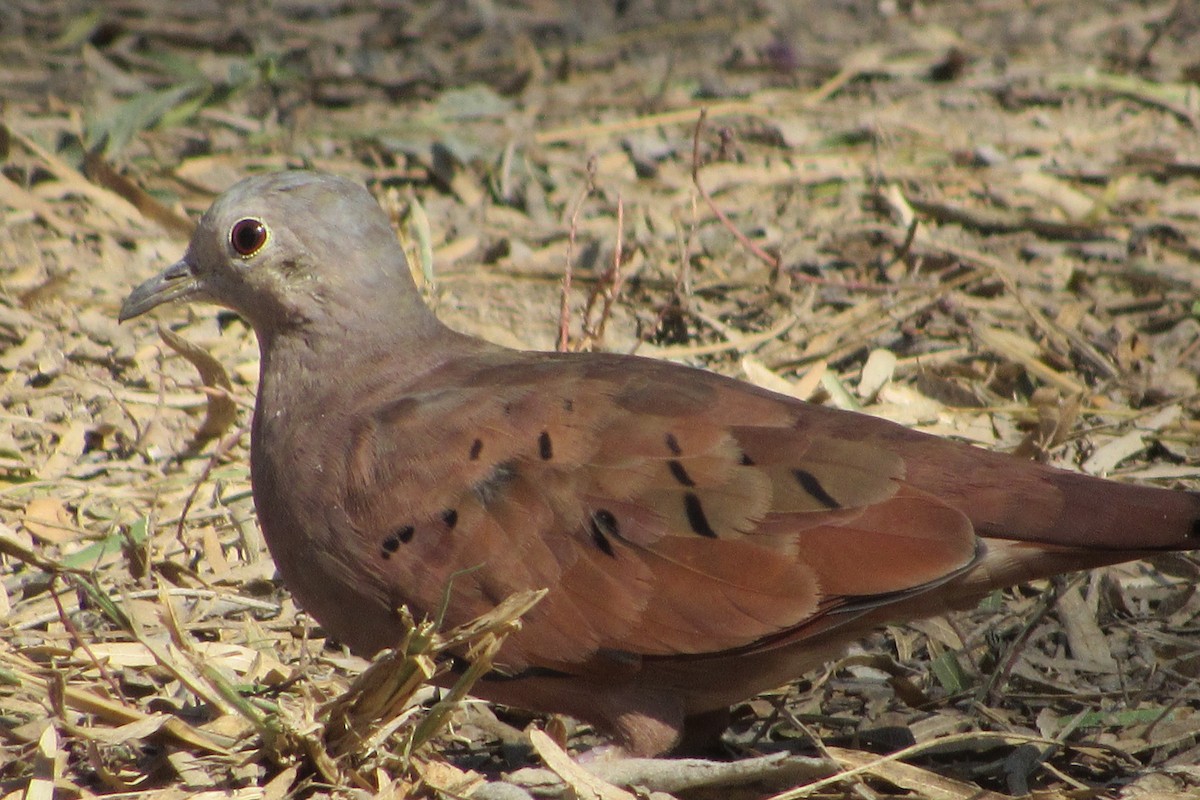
701,540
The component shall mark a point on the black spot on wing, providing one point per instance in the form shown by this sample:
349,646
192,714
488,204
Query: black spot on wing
696,516
601,541
392,543
679,473
606,521
476,449
673,445
809,483
604,524
545,446
747,461
450,517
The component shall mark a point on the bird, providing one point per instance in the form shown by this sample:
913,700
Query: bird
700,540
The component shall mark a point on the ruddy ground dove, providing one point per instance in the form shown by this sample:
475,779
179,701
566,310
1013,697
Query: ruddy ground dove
701,539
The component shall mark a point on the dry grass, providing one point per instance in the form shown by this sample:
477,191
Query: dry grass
979,219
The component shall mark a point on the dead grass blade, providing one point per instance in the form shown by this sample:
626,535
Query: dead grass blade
23,673
913,777
581,783
102,173
221,410
377,702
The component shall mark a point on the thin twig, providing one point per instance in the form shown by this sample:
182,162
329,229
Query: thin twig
999,676
762,255
758,252
905,247
609,286
1156,33
857,786
218,453
80,641
564,308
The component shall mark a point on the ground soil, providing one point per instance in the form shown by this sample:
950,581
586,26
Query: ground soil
980,219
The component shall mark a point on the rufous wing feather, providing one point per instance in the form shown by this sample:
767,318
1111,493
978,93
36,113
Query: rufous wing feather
683,530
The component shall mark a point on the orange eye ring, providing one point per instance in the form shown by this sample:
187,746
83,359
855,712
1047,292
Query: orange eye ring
247,236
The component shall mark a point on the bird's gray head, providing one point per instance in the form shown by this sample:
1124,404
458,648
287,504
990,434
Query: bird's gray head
285,249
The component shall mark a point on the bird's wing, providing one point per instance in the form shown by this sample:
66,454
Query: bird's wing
668,513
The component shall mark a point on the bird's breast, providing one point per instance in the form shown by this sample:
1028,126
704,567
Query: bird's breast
310,538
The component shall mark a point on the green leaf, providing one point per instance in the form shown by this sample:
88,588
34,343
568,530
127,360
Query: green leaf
993,602
102,601
79,30
116,129
93,554
471,102
949,673
179,67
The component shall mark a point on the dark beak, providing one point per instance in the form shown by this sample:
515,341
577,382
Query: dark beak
176,282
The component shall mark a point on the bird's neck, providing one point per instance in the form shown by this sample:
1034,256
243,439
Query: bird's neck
350,357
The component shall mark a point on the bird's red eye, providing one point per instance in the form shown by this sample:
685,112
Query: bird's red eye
247,236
